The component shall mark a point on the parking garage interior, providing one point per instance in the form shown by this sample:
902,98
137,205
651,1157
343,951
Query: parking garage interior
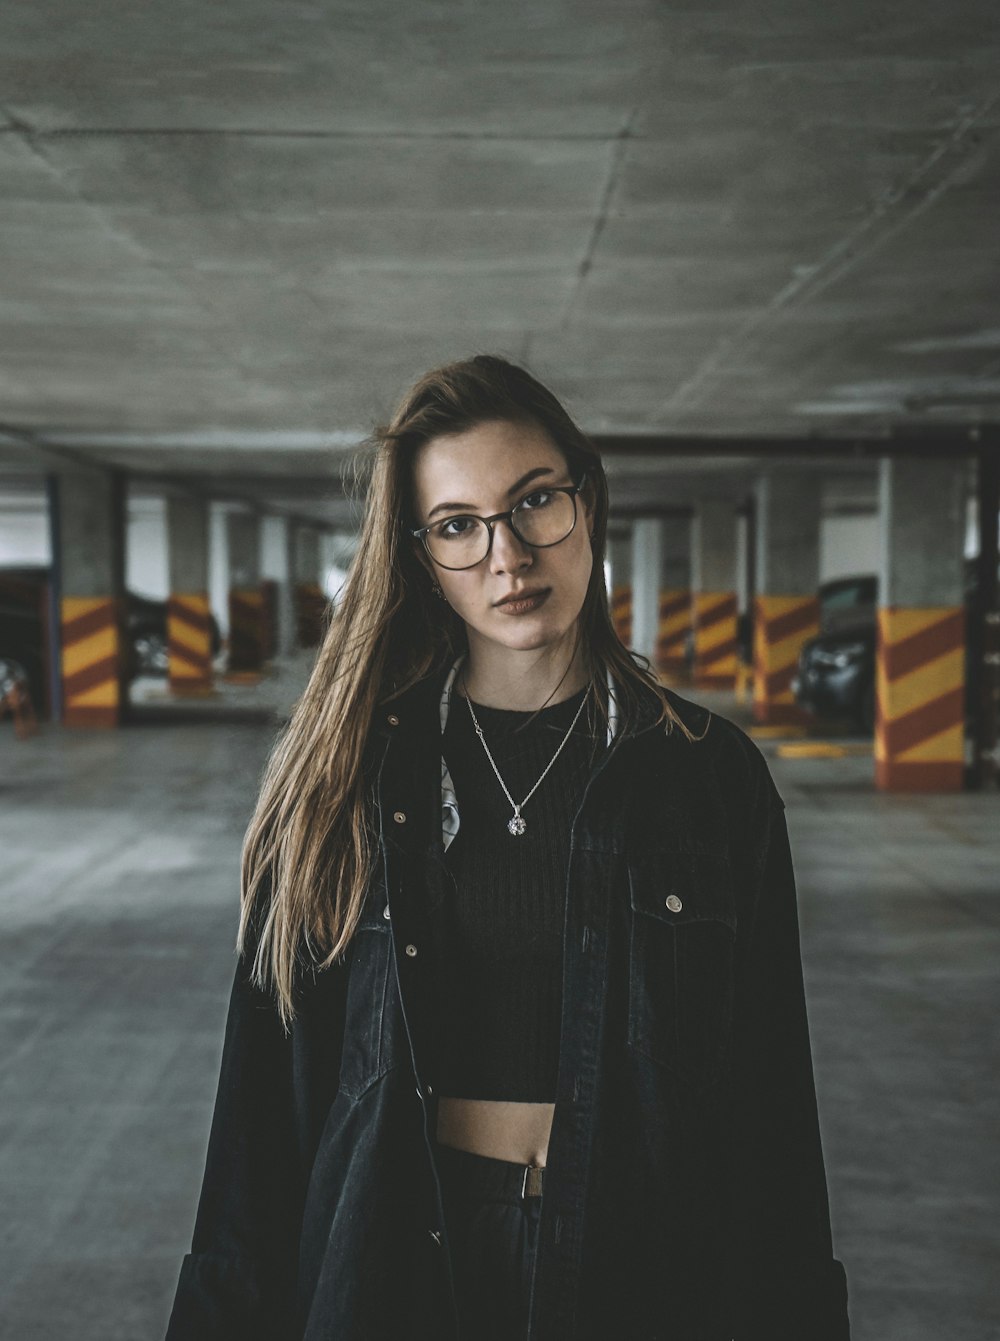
754,251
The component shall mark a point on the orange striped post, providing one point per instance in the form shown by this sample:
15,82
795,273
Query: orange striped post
621,611
246,605
715,614
781,625
675,625
310,610
920,699
189,641
92,678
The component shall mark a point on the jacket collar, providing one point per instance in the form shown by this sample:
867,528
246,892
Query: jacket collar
413,714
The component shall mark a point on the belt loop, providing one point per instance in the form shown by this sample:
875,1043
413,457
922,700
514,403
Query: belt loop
534,1187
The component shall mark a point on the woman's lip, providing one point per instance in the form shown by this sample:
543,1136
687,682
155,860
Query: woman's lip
524,604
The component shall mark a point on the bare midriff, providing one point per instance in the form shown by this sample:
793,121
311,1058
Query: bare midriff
517,1132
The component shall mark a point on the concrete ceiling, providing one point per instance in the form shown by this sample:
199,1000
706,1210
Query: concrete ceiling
232,234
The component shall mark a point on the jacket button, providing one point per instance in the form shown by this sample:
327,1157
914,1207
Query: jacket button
392,719
435,1235
399,816
674,903
385,912
411,950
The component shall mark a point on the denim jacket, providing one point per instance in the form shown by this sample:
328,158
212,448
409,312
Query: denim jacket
685,1192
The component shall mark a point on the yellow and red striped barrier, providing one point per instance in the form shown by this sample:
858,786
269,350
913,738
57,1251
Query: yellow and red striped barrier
310,612
674,627
920,699
189,641
715,639
621,611
246,606
92,678
781,625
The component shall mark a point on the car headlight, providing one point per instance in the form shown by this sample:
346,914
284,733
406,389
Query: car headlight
848,653
841,656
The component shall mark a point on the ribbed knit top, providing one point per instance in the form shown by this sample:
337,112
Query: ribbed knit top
501,977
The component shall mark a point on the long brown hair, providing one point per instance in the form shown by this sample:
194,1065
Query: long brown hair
309,849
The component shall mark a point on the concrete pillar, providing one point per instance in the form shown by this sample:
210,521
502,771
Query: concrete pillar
786,607
88,529
675,600
921,634
713,582
277,581
189,615
310,598
246,606
647,561
619,552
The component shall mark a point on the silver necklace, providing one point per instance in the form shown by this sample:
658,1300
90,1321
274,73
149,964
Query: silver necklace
516,824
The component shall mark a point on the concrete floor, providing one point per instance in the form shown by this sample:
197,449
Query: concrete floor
118,910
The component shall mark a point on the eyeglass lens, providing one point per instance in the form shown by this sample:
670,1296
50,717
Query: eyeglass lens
543,518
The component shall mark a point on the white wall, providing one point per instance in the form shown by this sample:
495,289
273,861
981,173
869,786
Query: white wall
848,546
24,529
146,570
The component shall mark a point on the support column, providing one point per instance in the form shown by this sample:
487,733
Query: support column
647,561
620,595
88,528
276,563
310,598
189,615
786,608
713,580
245,599
675,600
920,649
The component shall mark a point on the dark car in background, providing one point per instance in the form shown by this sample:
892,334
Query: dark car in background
24,620
836,675
836,671
146,643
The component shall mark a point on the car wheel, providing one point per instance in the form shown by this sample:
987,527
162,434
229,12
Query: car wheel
151,654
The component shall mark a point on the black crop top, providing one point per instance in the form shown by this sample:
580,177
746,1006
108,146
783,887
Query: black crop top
500,982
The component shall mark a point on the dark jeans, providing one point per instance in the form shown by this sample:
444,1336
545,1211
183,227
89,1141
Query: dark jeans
492,1233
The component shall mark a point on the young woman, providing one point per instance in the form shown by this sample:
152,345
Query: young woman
517,1044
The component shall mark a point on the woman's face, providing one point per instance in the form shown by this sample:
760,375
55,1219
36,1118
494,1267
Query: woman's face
489,469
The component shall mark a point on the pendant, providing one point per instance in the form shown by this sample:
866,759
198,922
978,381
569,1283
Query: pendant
516,825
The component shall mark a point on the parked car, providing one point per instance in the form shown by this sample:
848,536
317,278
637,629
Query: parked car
24,620
836,674
843,601
24,626
146,648
836,670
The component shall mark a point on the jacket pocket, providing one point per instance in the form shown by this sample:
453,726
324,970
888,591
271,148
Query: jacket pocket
369,1025
681,962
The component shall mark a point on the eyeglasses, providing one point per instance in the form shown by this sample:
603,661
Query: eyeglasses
541,519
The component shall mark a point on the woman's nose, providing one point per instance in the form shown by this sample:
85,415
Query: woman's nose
509,552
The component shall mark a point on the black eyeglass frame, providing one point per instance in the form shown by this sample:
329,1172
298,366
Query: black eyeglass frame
420,532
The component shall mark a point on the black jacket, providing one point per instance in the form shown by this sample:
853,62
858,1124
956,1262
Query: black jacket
685,1195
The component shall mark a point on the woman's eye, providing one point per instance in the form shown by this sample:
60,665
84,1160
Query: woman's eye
455,526
538,499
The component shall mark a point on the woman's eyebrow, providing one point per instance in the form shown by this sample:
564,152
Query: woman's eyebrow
525,479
